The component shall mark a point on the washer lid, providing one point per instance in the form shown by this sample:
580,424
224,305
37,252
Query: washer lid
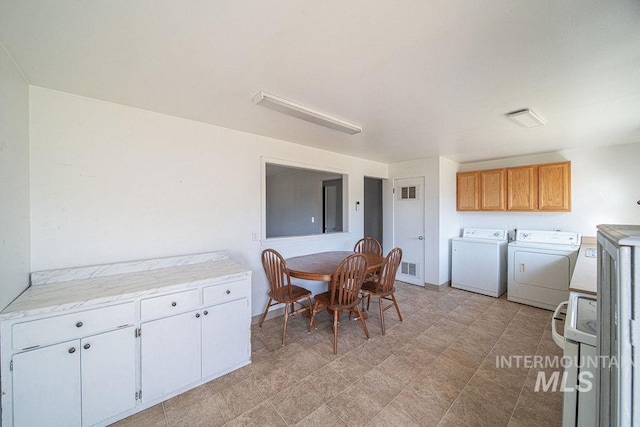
484,233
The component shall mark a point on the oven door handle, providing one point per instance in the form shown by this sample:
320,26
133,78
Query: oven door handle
557,338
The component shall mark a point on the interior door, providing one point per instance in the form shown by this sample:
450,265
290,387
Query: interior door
408,228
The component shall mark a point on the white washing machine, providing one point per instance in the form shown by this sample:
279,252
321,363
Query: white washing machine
479,261
541,264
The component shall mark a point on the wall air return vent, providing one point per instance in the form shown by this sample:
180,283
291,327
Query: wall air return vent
408,193
409,269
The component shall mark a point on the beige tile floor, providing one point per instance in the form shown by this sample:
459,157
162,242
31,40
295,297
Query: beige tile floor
436,368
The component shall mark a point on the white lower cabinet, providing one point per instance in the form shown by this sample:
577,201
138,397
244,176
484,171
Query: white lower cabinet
180,350
79,382
170,354
100,364
47,386
108,374
223,347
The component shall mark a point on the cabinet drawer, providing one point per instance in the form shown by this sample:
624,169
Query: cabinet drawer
166,305
226,292
68,326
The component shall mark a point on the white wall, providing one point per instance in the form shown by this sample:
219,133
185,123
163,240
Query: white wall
450,220
113,183
14,181
604,184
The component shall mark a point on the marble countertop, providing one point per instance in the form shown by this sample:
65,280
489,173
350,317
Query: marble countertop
585,275
58,290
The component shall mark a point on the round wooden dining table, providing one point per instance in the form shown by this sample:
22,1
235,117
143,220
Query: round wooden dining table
321,266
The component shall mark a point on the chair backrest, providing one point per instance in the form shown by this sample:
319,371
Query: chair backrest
276,269
347,280
387,275
368,245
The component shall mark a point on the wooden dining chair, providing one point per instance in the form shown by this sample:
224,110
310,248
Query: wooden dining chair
281,290
383,287
368,245
343,294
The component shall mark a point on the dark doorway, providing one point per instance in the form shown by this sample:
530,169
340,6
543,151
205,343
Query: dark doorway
373,208
332,206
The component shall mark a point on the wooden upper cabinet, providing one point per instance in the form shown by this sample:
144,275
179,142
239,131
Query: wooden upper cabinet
493,190
467,189
522,185
554,187
542,187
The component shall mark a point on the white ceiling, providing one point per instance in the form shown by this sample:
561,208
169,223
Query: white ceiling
423,78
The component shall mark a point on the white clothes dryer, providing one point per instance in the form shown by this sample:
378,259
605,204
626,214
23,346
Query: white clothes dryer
540,265
479,261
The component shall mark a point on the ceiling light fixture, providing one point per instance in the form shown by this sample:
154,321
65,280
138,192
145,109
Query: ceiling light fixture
301,112
526,118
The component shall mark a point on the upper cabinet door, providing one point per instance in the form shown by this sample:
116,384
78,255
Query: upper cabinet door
522,193
467,191
492,190
554,186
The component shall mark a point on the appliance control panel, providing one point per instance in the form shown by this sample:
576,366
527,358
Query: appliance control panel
484,233
552,237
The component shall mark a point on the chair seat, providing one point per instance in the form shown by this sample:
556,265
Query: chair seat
370,288
282,294
325,298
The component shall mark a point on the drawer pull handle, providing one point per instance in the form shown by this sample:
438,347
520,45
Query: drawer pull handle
228,291
173,304
72,350
87,346
206,312
79,325
197,315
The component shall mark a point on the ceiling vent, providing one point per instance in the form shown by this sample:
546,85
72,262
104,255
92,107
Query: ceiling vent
526,118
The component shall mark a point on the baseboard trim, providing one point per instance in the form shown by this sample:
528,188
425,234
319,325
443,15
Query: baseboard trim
270,315
438,288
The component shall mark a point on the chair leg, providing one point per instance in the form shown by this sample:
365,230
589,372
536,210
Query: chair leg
266,310
393,297
335,331
362,321
309,307
368,300
381,314
314,310
286,319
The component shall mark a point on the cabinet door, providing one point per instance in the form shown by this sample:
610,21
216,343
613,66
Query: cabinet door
492,190
522,189
467,191
108,374
554,185
46,386
226,336
171,354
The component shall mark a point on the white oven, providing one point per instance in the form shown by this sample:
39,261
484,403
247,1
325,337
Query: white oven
580,361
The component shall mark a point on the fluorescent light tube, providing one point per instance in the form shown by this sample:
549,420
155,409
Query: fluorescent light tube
526,118
301,112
